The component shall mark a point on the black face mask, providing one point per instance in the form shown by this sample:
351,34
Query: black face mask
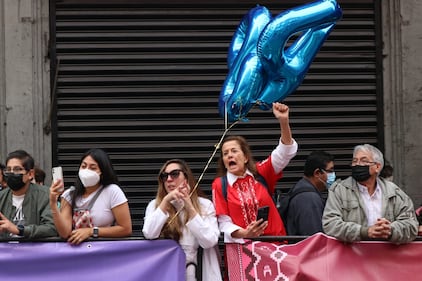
14,181
360,173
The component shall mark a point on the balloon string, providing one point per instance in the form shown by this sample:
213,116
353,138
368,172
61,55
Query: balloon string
217,146
225,117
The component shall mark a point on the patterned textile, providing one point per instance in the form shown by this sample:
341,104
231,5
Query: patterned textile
323,258
81,219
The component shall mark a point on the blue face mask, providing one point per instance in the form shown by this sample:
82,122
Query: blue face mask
331,177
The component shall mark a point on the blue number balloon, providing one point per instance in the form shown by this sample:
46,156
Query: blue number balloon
242,57
261,69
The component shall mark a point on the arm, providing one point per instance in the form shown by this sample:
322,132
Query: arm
333,222
227,226
110,214
154,221
232,232
287,147
156,217
38,214
281,112
404,228
235,234
62,218
400,224
123,225
205,227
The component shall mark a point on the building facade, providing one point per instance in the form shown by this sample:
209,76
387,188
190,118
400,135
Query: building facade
44,85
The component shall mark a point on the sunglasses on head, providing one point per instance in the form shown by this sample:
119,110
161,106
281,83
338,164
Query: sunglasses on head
173,174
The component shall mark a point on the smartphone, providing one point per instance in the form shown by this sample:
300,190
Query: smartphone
263,213
57,173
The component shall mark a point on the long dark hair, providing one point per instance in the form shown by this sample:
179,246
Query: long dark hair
108,176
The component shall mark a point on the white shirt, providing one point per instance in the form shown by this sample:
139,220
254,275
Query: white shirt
102,215
202,230
373,203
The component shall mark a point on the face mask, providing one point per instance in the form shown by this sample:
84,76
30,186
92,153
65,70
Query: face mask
331,177
14,181
360,173
88,177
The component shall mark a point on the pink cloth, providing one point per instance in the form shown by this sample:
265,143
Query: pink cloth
324,258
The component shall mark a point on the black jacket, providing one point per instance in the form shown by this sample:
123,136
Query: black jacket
304,216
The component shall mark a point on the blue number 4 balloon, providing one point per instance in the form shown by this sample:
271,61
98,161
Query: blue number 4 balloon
261,69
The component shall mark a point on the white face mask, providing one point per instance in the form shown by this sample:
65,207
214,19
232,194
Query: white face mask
88,177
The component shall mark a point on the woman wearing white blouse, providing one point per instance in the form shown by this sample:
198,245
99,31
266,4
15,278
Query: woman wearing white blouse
195,225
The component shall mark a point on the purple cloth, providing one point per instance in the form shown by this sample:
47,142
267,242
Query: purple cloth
123,260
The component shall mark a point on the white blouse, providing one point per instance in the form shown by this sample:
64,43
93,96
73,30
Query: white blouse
202,230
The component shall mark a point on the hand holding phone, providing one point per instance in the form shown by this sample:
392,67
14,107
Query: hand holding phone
263,213
57,173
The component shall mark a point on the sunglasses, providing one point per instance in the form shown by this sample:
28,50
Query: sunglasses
173,174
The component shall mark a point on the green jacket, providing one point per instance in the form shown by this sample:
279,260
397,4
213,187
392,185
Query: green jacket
345,218
36,209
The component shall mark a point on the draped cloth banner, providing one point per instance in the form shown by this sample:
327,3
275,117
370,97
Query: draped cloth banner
322,258
123,260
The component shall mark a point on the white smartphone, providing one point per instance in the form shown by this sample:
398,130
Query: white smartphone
57,173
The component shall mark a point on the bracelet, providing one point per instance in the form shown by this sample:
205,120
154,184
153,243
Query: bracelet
95,232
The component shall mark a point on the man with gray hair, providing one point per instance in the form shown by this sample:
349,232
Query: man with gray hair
368,207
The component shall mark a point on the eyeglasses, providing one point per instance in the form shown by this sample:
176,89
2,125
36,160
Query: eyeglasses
363,162
328,170
173,174
15,170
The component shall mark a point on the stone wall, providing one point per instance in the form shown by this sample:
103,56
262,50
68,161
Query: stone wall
402,52
25,79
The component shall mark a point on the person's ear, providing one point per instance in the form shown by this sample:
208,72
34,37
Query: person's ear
31,174
317,172
378,170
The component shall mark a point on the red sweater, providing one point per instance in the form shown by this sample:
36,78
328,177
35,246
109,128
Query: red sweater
246,195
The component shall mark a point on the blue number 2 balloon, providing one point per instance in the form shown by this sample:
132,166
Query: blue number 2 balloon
261,69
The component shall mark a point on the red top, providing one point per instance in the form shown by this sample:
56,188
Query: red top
246,195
